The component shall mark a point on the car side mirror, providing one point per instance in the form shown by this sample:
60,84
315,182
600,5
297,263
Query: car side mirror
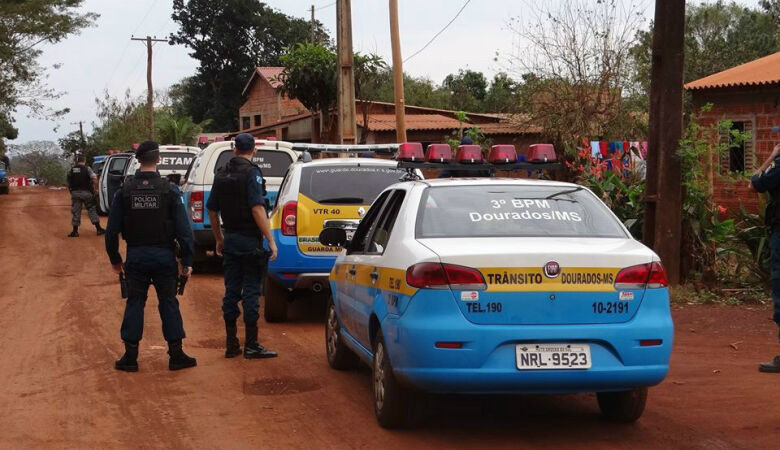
334,237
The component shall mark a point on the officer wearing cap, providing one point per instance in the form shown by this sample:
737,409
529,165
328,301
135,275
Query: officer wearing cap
238,196
767,179
82,183
149,212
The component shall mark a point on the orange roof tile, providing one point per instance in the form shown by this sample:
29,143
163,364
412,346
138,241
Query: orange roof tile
386,122
271,74
762,71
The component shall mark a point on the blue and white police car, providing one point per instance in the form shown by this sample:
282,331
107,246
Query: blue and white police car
491,286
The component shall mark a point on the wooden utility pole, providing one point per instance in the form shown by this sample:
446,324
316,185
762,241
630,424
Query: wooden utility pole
398,74
663,210
313,40
150,89
346,75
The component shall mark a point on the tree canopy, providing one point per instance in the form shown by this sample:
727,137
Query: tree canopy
229,38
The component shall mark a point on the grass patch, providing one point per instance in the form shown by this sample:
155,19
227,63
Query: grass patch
691,294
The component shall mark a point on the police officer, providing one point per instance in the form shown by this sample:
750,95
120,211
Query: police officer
238,195
149,212
82,183
767,179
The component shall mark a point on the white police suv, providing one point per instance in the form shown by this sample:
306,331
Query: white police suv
497,285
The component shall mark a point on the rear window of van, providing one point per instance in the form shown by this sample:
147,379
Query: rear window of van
272,163
347,184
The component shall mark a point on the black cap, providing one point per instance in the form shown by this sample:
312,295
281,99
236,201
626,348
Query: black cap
244,142
146,146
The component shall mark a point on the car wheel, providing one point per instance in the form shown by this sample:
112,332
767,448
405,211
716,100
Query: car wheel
340,357
4,190
276,299
393,403
623,407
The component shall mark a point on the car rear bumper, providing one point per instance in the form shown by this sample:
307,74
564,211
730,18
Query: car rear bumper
294,270
486,363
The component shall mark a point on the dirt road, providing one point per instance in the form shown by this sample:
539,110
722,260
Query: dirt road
60,313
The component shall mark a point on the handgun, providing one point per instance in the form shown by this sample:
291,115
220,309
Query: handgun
123,284
181,284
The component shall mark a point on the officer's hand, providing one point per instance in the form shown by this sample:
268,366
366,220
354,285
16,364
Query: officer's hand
186,271
272,246
118,268
218,250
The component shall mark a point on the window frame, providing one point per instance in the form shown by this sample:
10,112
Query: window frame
371,218
396,198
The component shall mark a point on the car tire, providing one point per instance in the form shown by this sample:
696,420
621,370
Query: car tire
340,357
4,190
393,403
623,407
276,299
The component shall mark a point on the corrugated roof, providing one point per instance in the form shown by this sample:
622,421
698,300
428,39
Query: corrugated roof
762,71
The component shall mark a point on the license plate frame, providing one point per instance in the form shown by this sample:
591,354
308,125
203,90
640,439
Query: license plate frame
540,356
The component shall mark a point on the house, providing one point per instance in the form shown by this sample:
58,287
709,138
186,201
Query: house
749,96
266,112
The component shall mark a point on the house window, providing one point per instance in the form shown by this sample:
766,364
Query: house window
244,123
738,157
258,120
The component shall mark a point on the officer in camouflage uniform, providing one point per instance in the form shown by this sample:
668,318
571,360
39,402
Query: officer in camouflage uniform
82,183
149,212
767,179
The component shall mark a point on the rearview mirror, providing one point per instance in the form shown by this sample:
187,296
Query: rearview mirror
333,237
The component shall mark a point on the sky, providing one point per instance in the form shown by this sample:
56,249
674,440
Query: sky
103,58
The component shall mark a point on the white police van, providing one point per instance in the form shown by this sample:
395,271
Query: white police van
273,157
174,162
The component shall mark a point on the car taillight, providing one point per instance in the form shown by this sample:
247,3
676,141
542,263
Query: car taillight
642,276
290,219
196,206
442,276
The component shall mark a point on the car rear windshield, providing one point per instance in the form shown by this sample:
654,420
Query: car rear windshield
347,184
514,211
178,161
272,163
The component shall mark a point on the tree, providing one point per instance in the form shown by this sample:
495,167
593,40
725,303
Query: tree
39,159
26,24
467,90
718,36
230,38
575,68
176,130
501,96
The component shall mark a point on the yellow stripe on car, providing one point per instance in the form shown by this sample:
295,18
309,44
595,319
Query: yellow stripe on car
533,279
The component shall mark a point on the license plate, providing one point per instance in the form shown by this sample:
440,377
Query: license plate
553,356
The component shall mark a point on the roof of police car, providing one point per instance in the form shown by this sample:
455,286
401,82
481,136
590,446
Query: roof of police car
350,161
479,181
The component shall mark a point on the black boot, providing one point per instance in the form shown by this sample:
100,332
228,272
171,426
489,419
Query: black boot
129,361
770,367
253,350
233,347
178,359
100,230
74,233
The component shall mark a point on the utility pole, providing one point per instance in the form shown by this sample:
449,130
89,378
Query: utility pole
346,75
149,88
313,40
663,210
398,74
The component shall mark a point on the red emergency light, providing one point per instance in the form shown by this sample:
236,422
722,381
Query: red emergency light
270,138
411,151
541,153
219,139
203,140
502,154
441,153
135,146
470,154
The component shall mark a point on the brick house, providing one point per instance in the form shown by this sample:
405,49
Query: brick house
749,96
267,112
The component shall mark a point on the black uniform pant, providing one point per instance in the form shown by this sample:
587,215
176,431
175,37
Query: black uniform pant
774,248
244,263
156,266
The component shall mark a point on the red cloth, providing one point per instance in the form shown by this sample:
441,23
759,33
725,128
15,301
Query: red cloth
604,147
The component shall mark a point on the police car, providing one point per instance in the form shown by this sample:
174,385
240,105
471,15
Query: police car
273,157
495,285
318,193
174,162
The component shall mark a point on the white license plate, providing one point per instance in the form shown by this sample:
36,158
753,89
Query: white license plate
553,356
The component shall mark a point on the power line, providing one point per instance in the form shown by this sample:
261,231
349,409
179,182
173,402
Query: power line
440,32
127,45
325,6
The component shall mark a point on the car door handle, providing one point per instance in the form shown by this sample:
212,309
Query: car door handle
374,276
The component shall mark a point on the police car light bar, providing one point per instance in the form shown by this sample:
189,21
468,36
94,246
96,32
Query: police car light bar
388,149
502,157
441,153
410,151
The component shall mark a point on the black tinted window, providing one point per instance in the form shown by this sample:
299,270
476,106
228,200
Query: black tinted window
272,163
117,165
360,238
514,211
178,161
347,184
